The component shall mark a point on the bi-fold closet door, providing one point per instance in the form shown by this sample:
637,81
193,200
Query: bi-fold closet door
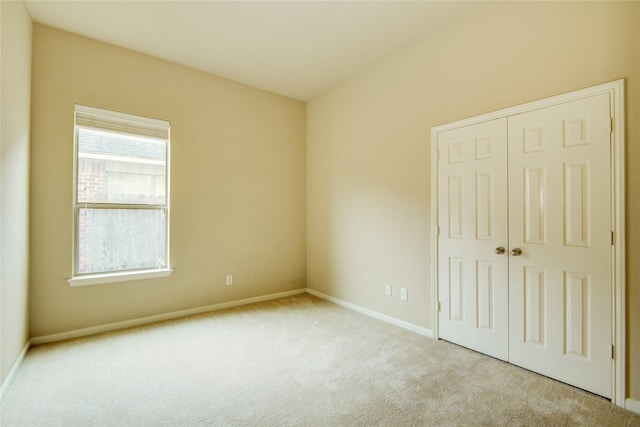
524,244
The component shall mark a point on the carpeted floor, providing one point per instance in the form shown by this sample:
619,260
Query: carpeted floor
297,361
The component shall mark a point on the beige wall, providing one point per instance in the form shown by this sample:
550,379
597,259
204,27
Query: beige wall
237,182
15,88
368,142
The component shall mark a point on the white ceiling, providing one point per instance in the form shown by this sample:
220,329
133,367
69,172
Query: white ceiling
294,48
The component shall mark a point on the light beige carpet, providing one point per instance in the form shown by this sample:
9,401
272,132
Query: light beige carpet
297,361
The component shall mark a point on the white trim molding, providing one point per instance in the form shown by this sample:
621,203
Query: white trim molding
632,405
615,90
14,370
124,276
397,322
77,333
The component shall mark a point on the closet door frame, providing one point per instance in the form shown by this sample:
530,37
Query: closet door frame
615,90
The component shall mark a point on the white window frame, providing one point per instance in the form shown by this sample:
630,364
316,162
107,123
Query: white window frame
116,122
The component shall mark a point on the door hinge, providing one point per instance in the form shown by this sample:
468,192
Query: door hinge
613,239
438,231
611,125
613,351
439,307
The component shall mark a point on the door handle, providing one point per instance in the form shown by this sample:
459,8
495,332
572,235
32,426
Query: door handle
500,250
516,251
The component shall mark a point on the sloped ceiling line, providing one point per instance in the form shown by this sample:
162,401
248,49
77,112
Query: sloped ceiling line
297,49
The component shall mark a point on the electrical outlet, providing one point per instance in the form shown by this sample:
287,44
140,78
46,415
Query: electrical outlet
403,294
387,290
229,280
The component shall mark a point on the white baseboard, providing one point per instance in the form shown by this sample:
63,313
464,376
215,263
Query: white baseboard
157,318
632,405
14,370
397,322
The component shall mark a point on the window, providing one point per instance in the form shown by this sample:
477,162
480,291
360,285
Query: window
121,197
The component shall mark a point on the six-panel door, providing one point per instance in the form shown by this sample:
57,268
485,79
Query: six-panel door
560,288
472,202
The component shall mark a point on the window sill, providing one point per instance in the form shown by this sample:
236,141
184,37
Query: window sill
99,279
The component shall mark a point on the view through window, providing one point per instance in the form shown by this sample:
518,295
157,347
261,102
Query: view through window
121,198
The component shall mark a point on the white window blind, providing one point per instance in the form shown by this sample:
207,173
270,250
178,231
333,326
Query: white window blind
96,118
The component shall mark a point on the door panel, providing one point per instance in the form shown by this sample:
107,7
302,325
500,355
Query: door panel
472,213
533,306
560,288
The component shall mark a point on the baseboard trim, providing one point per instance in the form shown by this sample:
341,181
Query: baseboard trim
14,370
78,333
397,322
632,405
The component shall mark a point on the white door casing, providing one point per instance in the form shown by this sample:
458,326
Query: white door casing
584,241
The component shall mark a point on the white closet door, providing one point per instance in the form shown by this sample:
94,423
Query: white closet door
560,287
472,215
